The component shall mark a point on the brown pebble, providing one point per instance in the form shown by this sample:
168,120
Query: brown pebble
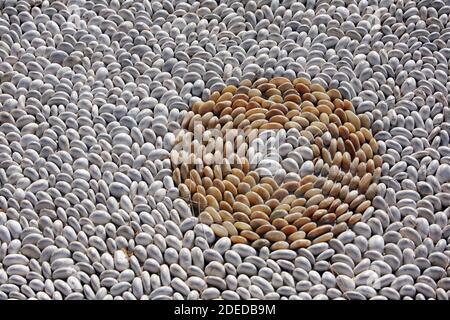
279,245
300,243
323,238
275,235
238,239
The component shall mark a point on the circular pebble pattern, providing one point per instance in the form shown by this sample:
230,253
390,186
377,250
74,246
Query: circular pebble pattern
94,93
331,160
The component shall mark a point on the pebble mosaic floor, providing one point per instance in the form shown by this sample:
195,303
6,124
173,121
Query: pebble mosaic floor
225,149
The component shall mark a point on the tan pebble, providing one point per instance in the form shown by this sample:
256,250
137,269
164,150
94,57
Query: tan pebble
261,207
310,210
288,229
346,160
199,200
335,190
201,190
228,197
354,219
365,121
262,230
361,170
326,188
341,209
260,243
279,245
254,198
249,235
205,218
378,161
303,189
262,192
344,192
326,156
219,185
312,192
333,172
353,195
299,202
329,218
223,205
361,155
339,228
232,231
334,205
278,213
256,223
242,199
219,230
353,119
326,203
233,179
364,183
291,217
213,191
372,191
230,187
280,194
367,149
243,188
280,119
333,129
323,238
350,148
270,181
283,206
241,207
370,166
212,202
229,89
256,115
214,214
354,166
185,193
259,215
267,187
217,172
191,185
300,243
272,203
207,182
308,227
279,223
274,235
290,186
334,94
296,236
242,226
238,239
341,114
318,231
344,217
355,141
241,217
348,105
318,214
226,216
363,206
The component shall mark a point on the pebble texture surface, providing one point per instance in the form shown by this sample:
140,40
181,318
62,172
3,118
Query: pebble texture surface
93,95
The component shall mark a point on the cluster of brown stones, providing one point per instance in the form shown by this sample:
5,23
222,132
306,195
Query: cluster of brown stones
237,203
